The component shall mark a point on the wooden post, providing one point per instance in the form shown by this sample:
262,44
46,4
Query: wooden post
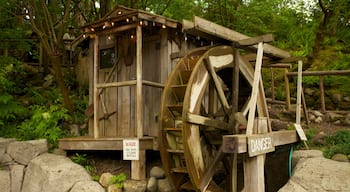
139,111
323,105
254,180
272,84
138,167
299,88
255,90
287,94
96,93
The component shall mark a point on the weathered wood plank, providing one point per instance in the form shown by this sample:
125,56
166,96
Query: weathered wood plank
101,143
238,143
254,40
206,121
231,35
116,84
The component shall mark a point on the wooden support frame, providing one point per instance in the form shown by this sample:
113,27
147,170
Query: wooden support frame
96,92
138,167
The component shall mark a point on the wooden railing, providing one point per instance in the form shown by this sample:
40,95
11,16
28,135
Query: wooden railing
320,74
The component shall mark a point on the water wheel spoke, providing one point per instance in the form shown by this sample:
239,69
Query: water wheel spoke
208,175
206,121
219,87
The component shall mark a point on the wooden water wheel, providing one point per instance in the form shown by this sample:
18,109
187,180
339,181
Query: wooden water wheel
195,113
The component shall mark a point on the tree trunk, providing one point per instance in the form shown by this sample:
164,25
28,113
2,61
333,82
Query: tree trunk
56,64
321,32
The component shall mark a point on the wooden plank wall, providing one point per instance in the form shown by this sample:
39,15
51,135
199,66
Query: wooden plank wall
157,65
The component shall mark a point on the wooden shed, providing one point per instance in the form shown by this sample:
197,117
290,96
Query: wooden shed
131,55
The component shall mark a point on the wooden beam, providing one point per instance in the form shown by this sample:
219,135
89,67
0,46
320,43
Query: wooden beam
238,143
255,90
287,89
138,167
290,60
321,73
254,40
299,89
139,110
101,143
279,65
116,84
231,35
323,104
206,121
96,92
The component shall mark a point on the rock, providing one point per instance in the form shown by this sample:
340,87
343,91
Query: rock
347,99
135,186
164,185
309,91
319,174
304,154
332,117
53,173
317,113
312,117
152,184
3,145
24,151
337,97
6,160
278,124
17,173
157,172
337,122
59,152
5,181
113,188
319,139
87,186
340,157
347,119
104,179
318,120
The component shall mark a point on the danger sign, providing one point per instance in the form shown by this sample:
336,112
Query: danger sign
131,149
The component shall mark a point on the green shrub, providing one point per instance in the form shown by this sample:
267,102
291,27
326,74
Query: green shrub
88,164
44,123
118,180
337,143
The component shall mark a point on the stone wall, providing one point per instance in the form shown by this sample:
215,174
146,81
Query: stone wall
26,166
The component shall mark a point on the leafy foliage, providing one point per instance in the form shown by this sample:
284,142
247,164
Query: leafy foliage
338,143
44,123
83,160
118,180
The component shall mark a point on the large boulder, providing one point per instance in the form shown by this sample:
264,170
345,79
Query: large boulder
87,186
5,180
319,174
24,151
17,173
53,173
3,144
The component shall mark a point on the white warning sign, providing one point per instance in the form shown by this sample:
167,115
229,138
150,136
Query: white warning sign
131,149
